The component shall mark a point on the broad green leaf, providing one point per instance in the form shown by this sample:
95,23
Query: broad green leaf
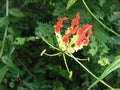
64,73
70,3
3,71
102,2
113,66
4,21
16,12
46,30
21,88
8,61
58,11
58,85
101,35
54,68
114,88
0,43
12,84
30,86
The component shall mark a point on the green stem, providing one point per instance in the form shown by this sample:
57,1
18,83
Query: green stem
56,54
49,43
89,71
66,63
109,29
81,59
7,7
6,29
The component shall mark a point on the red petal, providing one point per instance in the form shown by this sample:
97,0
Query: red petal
59,24
73,31
82,35
90,33
77,15
86,41
75,21
65,38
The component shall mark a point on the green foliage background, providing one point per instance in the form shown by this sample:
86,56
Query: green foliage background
22,68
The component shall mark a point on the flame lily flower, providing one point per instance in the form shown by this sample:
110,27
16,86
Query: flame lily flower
75,37
73,40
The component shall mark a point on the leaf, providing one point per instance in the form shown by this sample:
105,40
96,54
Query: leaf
30,86
93,51
54,68
103,61
8,61
58,11
93,46
70,3
4,21
21,88
101,35
46,30
19,41
64,73
43,28
3,71
12,84
102,2
16,12
113,66
58,85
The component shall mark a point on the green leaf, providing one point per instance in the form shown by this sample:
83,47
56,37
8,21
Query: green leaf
12,84
30,86
3,71
44,28
113,66
70,3
93,46
64,73
93,51
114,88
58,85
19,41
8,61
102,2
4,21
101,35
103,61
58,11
16,12
21,88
